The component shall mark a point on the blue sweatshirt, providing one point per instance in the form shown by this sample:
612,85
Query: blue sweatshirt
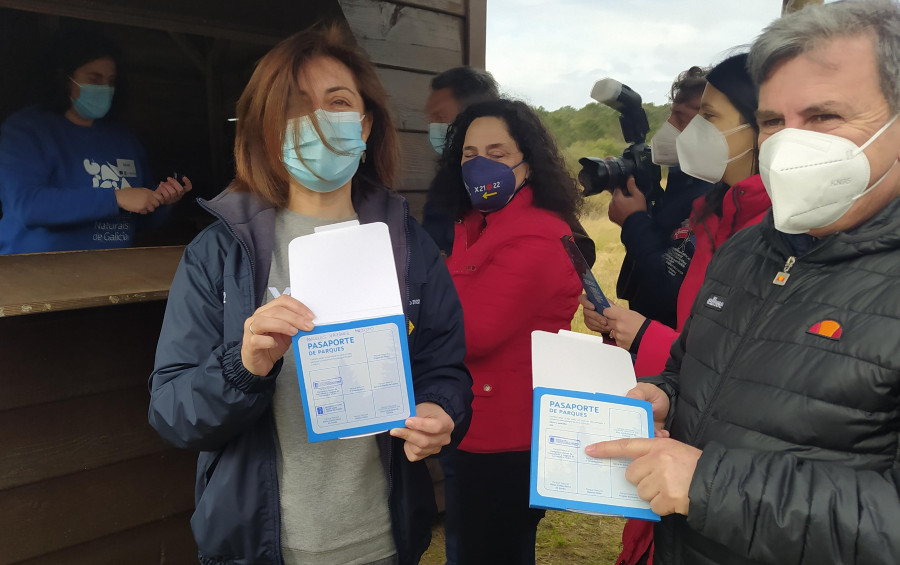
57,182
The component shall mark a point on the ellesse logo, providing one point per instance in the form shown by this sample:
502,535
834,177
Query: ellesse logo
829,329
715,302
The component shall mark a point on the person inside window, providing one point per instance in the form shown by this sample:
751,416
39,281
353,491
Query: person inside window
70,178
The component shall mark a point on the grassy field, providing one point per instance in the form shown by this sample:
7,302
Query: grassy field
566,538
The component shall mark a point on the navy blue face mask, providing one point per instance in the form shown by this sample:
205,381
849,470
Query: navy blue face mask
490,184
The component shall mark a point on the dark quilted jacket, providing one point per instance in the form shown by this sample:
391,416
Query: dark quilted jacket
799,430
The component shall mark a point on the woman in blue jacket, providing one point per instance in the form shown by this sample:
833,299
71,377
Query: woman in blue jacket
264,494
69,178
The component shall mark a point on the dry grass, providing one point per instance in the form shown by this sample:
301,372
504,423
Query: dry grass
565,538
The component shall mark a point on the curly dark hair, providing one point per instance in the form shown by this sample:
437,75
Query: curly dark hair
553,188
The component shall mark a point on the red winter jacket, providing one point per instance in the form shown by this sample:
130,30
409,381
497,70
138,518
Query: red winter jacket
513,276
744,205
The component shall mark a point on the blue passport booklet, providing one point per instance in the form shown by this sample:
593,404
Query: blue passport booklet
353,368
563,477
354,377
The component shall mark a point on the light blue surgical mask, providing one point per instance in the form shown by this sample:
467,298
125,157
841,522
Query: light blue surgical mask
437,135
93,100
323,170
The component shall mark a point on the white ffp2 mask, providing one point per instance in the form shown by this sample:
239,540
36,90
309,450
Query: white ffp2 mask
813,178
662,145
703,149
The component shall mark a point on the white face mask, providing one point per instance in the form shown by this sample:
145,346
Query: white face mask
813,178
703,149
662,146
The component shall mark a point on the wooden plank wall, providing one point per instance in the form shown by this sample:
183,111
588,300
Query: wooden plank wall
410,42
83,476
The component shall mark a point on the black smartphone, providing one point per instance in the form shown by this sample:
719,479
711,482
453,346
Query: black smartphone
591,288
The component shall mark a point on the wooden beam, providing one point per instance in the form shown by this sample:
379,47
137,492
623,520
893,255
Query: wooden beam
44,282
58,513
404,37
407,92
144,16
476,33
32,374
75,435
165,541
229,19
417,162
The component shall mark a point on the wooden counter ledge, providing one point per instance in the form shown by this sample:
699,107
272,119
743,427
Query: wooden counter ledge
69,280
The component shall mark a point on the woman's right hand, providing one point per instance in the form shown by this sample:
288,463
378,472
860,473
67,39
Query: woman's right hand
268,332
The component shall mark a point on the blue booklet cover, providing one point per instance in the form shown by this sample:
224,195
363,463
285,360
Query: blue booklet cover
563,477
588,282
355,377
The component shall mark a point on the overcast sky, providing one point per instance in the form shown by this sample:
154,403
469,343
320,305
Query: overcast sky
550,52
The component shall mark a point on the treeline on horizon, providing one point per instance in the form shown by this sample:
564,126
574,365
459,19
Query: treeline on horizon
594,130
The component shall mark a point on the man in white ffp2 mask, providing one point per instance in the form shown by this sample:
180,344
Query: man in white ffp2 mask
780,399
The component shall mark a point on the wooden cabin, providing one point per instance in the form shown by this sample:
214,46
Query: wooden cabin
83,477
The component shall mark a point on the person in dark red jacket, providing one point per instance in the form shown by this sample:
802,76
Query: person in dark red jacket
505,183
726,118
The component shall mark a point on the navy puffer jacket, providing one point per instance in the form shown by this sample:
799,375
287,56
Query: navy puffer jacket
203,398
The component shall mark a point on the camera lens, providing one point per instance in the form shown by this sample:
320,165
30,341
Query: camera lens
598,175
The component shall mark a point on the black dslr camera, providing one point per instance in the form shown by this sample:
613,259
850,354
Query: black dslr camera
597,174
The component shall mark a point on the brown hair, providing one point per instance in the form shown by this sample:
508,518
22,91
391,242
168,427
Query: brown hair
689,84
262,113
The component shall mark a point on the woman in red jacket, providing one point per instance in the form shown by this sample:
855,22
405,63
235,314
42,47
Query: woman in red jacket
720,146
504,181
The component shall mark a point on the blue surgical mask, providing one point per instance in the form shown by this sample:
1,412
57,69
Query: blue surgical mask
93,100
323,170
490,184
437,135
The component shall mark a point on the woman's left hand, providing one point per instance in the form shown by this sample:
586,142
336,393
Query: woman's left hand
624,325
170,190
595,321
426,433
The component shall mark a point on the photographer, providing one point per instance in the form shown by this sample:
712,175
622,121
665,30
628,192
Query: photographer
718,146
657,242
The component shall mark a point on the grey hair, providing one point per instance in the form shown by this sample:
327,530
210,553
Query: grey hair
803,31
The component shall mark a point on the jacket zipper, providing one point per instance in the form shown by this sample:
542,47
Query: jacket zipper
391,441
279,558
783,275
703,423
